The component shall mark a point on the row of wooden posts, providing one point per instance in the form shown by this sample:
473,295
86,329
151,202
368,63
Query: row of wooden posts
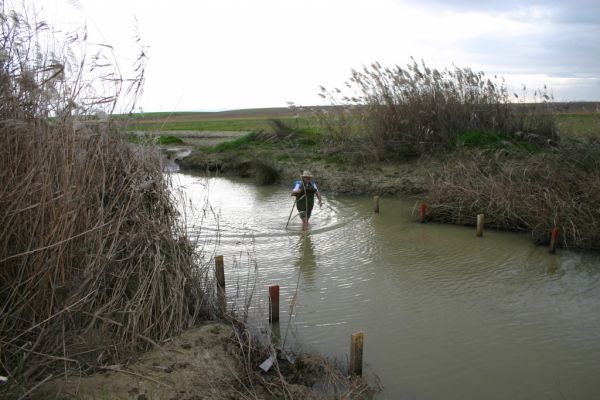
356,339
480,221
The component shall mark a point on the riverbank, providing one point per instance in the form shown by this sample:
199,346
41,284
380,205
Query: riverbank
408,178
205,362
519,187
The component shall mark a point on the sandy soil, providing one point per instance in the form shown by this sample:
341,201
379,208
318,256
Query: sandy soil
196,365
408,178
199,364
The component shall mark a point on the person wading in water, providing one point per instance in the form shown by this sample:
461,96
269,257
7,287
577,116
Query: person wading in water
305,191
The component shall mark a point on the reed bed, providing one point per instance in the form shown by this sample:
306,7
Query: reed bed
95,264
416,109
534,193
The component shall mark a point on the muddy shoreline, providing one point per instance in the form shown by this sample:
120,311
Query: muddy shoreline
203,362
409,178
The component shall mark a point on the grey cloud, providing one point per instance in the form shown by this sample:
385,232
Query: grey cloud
560,11
568,53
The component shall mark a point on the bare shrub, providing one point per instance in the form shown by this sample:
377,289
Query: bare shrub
417,109
95,263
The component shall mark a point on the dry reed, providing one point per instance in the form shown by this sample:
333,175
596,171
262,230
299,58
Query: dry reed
416,109
533,193
95,264
305,376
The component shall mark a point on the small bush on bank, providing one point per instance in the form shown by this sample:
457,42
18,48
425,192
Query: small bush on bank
418,109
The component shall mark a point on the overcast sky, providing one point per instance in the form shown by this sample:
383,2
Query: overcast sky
228,54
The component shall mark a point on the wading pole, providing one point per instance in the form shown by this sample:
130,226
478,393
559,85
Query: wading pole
376,204
291,211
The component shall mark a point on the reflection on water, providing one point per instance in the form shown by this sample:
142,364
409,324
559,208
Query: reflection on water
446,315
306,261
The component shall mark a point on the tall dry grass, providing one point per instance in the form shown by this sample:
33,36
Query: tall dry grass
532,194
94,260
416,109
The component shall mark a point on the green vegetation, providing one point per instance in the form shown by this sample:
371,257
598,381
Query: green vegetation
478,139
233,145
168,139
279,133
579,124
201,125
190,123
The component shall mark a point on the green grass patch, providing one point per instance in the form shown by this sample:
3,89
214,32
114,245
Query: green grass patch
230,124
206,125
189,123
579,124
309,136
474,138
232,145
154,115
168,139
477,138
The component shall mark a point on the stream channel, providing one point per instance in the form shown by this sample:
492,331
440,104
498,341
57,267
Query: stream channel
446,314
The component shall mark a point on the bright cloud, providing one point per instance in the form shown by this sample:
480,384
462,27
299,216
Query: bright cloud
240,54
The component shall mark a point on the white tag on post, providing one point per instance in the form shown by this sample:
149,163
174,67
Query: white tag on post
267,364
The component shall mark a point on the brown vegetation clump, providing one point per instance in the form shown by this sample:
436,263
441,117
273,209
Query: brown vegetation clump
534,193
417,109
293,376
94,260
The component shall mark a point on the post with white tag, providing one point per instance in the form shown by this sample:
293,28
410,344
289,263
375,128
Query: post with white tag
356,353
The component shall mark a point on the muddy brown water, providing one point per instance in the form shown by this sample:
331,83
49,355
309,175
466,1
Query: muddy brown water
446,315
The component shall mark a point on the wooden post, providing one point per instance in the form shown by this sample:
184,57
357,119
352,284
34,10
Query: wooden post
356,353
422,213
220,271
220,276
376,204
553,240
480,221
276,334
274,303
